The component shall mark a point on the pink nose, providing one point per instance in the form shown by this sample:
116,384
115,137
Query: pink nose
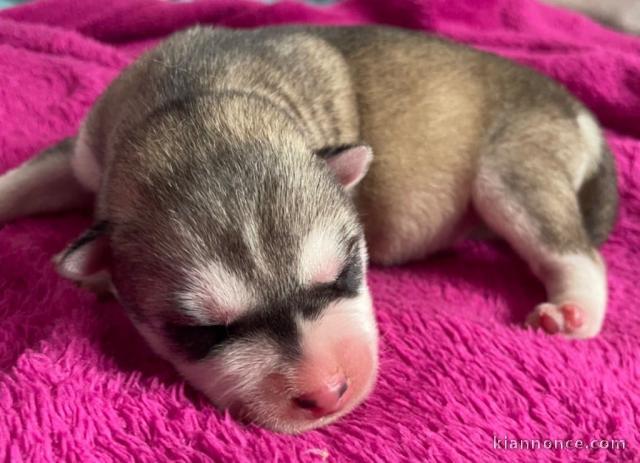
326,399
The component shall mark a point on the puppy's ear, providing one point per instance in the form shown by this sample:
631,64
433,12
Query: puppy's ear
349,163
86,260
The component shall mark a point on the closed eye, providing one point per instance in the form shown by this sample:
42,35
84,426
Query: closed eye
349,280
196,341
346,285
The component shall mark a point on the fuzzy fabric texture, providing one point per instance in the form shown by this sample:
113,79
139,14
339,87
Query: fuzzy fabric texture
457,370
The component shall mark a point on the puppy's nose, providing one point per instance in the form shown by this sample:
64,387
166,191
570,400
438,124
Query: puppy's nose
325,399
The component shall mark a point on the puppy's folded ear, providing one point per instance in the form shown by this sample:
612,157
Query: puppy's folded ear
86,260
349,163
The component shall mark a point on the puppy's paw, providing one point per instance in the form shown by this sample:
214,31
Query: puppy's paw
569,319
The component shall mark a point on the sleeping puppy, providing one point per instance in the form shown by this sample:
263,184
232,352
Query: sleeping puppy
227,171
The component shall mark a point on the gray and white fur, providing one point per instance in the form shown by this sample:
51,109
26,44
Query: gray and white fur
620,14
227,169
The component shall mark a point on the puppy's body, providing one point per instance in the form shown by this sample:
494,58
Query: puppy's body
621,14
217,160
429,109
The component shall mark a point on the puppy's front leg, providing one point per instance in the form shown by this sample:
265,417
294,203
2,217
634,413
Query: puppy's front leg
45,183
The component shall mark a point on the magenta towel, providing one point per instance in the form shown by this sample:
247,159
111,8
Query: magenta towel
458,373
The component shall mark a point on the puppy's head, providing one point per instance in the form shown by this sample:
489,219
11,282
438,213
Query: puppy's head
247,271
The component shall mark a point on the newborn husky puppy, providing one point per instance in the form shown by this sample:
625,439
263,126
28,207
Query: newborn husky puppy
231,203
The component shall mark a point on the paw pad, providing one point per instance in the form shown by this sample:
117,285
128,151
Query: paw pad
552,318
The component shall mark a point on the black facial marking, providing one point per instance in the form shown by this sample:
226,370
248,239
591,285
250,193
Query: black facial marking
350,278
311,302
196,341
278,322
276,319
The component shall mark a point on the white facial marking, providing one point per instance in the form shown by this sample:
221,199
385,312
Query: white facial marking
357,310
234,374
216,292
321,256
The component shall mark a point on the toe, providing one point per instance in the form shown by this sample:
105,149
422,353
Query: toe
548,323
573,316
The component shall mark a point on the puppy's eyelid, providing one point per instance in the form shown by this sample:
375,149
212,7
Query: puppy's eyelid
197,341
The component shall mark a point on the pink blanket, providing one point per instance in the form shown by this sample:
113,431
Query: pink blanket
458,372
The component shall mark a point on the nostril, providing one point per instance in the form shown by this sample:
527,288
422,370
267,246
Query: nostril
324,400
305,402
342,389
